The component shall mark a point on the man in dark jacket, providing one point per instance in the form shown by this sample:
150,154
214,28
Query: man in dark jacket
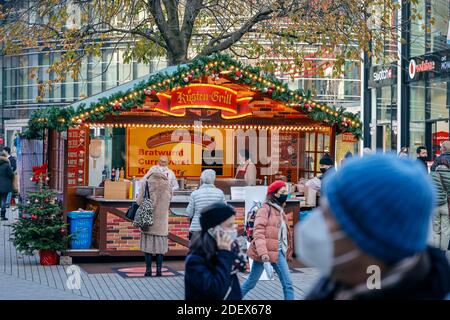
6,175
422,156
13,163
372,229
444,157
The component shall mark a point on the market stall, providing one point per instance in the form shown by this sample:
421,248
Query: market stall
200,116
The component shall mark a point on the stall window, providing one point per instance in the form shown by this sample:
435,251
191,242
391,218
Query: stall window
316,145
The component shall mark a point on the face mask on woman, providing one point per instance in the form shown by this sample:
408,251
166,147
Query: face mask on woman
314,244
232,233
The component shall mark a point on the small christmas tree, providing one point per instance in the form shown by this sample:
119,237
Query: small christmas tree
41,224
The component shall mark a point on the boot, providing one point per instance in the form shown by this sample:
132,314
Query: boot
148,265
159,260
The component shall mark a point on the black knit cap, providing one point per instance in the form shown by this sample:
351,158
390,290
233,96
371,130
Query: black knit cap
214,215
326,160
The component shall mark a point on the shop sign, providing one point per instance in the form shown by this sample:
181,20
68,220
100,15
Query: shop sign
349,137
382,76
76,157
445,65
184,148
204,96
429,65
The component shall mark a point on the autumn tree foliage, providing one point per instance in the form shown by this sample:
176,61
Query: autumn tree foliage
273,34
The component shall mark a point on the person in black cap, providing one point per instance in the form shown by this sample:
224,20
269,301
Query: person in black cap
326,165
214,259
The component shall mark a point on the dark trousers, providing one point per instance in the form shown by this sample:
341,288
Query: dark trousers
4,197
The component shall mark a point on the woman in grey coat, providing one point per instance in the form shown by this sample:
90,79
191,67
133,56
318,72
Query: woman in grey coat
204,196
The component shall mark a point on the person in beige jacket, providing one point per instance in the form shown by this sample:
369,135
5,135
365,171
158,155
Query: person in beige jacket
154,240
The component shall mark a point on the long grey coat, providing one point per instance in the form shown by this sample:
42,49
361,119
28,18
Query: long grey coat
160,194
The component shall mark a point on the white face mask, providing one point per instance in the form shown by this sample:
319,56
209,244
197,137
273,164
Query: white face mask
232,233
314,244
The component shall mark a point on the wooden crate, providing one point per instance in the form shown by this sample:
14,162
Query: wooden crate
117,189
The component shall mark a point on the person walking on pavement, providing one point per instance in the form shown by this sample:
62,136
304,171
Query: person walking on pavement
163,168
214,259
13,163
6,176
445,154
441,223
372,229
154,239
422,156
204,196
271,241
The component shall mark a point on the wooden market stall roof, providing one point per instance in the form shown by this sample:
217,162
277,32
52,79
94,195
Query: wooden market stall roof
268,99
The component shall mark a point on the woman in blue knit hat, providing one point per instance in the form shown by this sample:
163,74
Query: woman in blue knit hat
369,236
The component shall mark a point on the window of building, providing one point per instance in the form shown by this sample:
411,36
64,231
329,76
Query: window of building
439,11
417,32
417,115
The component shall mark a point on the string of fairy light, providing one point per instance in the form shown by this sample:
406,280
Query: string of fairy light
185,75
185,126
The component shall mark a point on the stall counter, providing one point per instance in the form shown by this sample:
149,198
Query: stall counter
113,235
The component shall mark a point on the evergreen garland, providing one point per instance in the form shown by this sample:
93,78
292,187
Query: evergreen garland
61,119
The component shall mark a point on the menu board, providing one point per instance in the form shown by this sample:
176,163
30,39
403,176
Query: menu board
76,157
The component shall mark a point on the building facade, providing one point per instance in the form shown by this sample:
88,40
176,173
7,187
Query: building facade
408,103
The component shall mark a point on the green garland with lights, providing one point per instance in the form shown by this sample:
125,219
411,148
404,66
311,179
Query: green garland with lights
61,119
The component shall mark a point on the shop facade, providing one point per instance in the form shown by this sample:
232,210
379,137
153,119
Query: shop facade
383,92
407,101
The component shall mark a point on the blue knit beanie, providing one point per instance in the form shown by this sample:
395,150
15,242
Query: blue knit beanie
383,204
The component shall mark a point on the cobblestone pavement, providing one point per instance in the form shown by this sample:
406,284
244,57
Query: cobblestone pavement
24,278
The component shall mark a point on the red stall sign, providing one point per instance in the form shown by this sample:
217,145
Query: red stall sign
76,157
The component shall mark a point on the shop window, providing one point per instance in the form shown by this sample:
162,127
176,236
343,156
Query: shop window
438,105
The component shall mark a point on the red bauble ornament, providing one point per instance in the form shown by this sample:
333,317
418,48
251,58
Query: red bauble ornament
34,217
190,77
63,230
117,106
270,91
238,74
153,93
24,216
47,200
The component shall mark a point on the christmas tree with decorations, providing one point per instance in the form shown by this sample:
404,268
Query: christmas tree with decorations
41,224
